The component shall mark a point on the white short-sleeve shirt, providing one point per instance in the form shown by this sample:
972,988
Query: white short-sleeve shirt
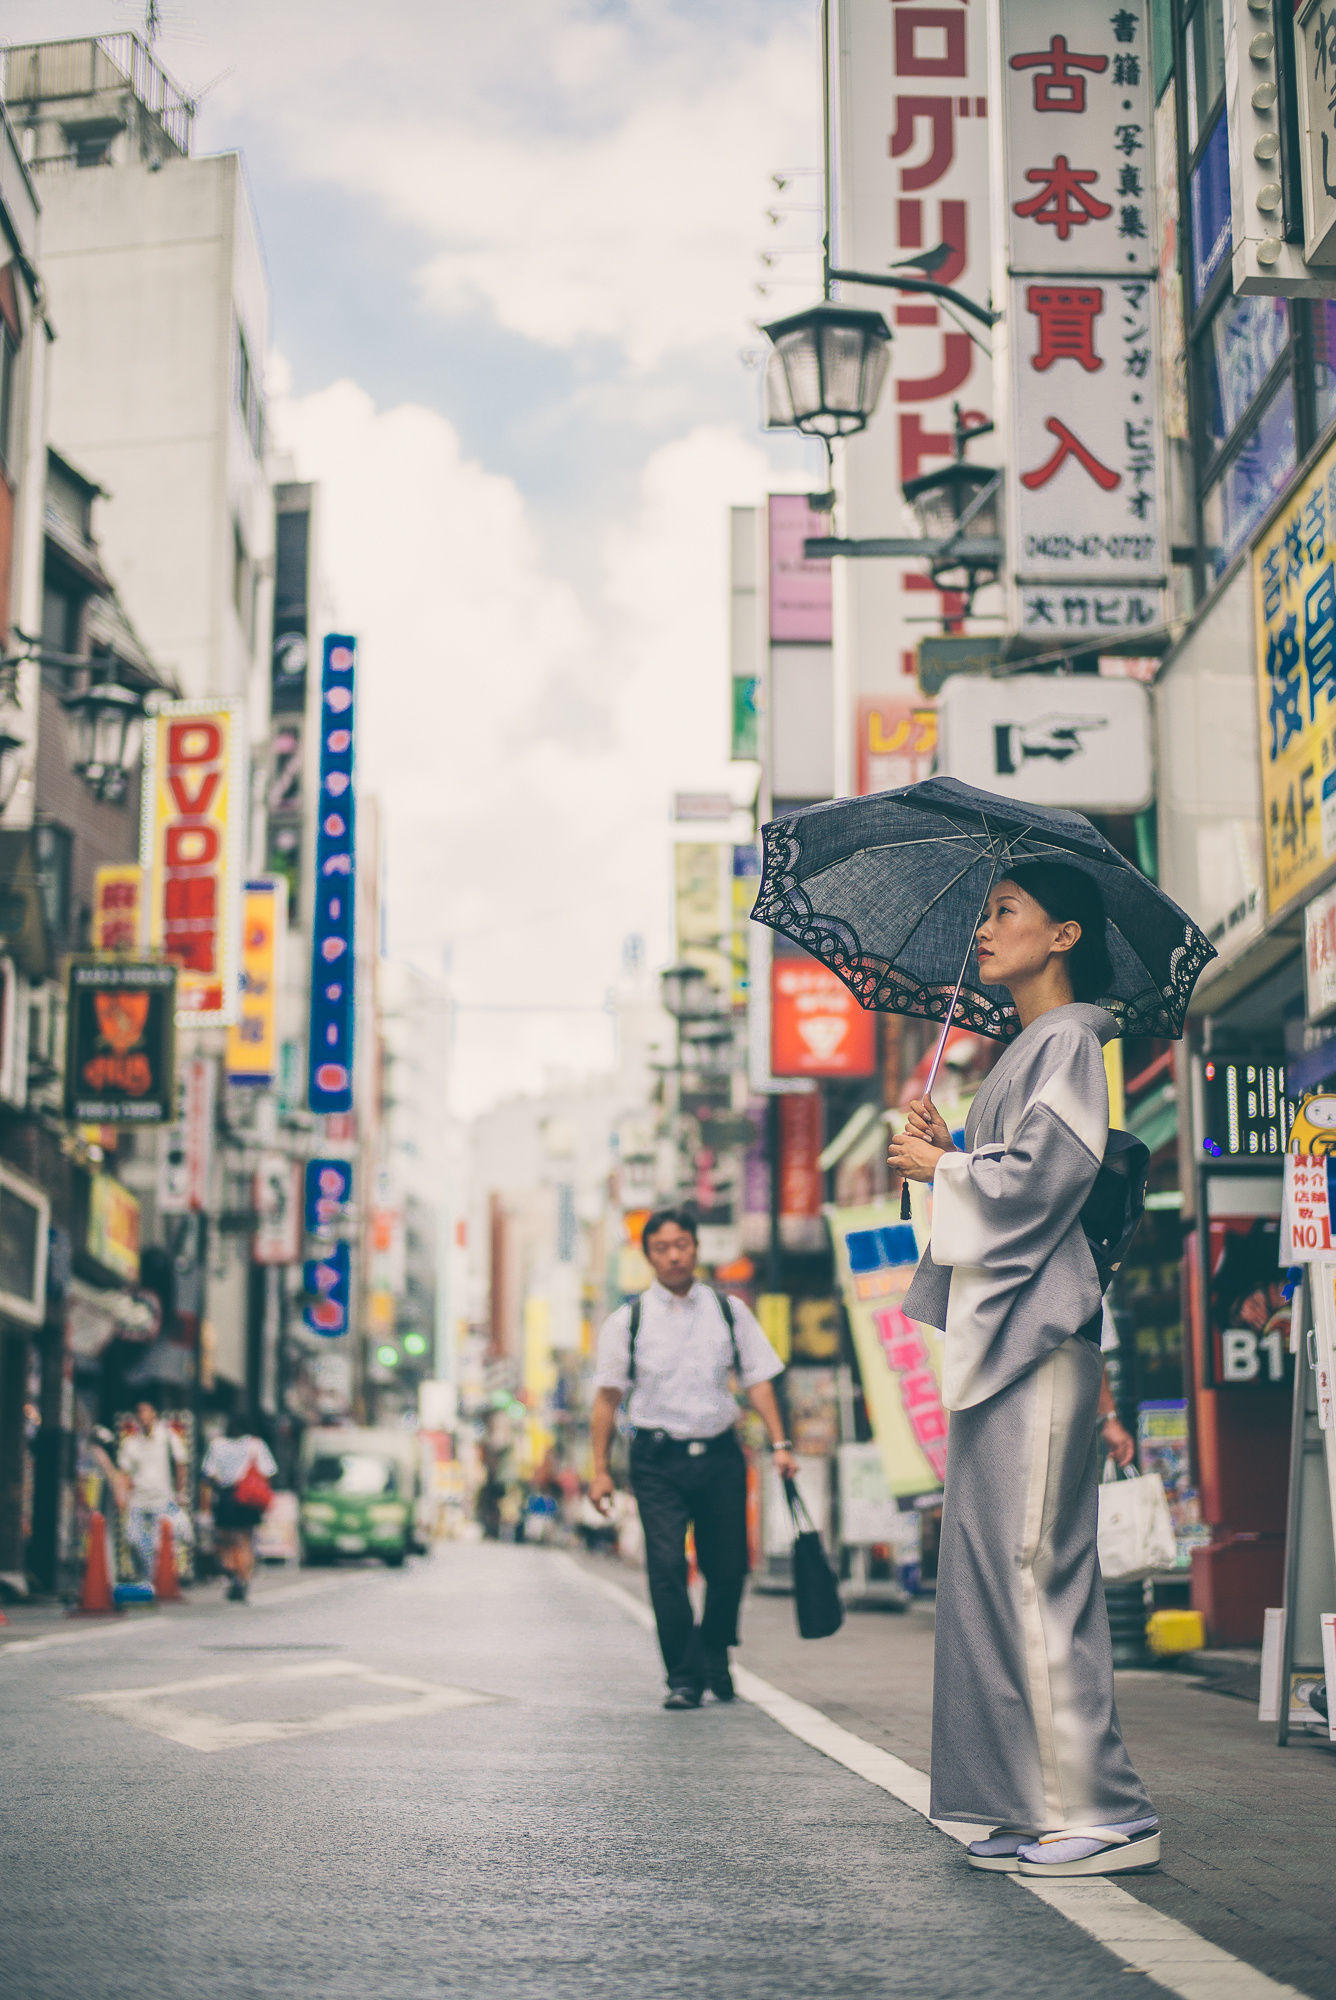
684,1361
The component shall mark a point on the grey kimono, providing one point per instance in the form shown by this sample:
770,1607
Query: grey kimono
1024,1730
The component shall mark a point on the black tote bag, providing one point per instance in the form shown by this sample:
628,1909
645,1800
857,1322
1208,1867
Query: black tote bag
816,1593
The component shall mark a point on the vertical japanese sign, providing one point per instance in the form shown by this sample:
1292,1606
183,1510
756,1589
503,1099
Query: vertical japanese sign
118,907
1294,602
252,1040
896,745
326,1282
800,587
1085,504
913,172
328,1190
193,823
333,964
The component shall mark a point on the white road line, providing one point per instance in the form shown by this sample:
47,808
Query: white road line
1144,1939
132,1621
197,1729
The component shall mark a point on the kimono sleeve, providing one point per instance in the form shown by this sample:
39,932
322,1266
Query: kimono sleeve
1006,1220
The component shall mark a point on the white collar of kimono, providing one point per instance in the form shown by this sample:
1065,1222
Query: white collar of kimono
1090,1016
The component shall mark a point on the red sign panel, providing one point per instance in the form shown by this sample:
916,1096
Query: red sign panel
800,1136
817,1026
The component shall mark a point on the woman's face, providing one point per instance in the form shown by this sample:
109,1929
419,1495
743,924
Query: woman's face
1017,936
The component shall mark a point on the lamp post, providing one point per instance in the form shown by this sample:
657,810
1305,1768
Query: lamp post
105,724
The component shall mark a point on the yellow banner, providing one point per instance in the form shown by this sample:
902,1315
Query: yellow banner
1294,602
113,1227
703,903
900,1361
252,1040
118,907
194,817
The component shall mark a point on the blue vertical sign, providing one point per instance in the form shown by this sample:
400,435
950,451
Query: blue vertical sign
329,1189
333,960
327,1283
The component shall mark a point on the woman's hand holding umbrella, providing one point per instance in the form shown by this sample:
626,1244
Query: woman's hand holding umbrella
916,1151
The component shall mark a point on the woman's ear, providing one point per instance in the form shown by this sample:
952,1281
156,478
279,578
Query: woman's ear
1067,935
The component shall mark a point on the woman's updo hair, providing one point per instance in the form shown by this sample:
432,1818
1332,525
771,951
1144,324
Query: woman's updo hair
1069,895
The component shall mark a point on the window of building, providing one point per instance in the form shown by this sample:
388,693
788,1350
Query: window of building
62,619
247,387
9,362
53,848
243,582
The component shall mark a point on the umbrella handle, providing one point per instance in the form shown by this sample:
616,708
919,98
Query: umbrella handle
905,1210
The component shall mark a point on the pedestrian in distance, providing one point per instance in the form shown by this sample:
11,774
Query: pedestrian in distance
1025,1733
151,1471
237,1469
670,1353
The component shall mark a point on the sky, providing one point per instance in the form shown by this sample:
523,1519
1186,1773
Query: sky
513,253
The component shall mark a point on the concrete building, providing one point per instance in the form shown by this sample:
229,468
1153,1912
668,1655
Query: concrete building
158,295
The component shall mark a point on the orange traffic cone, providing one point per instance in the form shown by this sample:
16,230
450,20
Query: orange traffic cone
166,1583
96,1593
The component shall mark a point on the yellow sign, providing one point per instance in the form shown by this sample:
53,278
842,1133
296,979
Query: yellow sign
899,1360
1294,602
118,907
252,1040
194,814
113,1227
703,900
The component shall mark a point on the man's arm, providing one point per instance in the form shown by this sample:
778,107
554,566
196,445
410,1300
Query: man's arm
765,1402
602,1422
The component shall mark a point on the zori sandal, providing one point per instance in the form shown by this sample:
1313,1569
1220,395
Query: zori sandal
999,1852
1093,1850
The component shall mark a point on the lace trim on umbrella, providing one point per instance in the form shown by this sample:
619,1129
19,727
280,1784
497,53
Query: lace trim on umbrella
784,905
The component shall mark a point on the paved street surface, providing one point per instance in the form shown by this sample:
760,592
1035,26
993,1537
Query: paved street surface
458,1780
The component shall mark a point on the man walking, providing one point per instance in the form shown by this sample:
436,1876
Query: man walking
671,1352
152,1468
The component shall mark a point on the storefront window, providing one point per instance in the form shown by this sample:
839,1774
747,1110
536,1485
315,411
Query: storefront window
1324,362
1208,200
1205,67
1245,340
1252,480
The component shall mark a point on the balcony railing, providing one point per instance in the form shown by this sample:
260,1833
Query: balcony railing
43,72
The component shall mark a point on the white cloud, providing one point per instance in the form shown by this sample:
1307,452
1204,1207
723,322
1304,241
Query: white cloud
524,745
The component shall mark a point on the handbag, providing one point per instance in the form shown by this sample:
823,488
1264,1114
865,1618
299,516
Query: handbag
1116,1203
816,1593
253,1489
1136,1531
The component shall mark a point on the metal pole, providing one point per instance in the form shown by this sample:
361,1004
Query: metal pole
827,195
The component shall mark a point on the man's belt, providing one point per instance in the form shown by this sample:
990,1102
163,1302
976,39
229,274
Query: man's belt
684,1447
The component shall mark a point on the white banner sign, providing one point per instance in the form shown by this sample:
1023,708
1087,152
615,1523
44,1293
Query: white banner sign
1076,102
1320,956
1086,545
1075,740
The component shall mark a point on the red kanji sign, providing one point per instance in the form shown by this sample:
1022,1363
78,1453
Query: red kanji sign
1058,83
1063,202
1069,446
1066,316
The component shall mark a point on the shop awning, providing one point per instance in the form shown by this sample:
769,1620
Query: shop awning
95,1316
849,1134
1155,1119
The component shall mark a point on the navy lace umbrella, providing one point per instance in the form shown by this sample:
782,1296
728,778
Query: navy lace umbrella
889,890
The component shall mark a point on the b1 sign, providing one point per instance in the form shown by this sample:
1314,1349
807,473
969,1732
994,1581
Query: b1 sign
1078,740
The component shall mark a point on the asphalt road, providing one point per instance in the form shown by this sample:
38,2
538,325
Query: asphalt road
457,1780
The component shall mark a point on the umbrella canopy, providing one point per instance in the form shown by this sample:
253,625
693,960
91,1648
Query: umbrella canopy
887,891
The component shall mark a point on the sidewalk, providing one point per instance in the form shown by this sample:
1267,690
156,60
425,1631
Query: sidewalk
1250,1830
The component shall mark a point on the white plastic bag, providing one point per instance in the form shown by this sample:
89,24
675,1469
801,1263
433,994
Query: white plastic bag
1136,1534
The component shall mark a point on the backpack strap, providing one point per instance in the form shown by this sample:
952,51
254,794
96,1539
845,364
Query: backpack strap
726,1308
632,1335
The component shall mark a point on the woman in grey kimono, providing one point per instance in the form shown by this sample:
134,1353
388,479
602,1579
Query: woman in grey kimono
1025,1734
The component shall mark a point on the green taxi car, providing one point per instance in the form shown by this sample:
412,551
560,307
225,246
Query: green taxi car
356,1500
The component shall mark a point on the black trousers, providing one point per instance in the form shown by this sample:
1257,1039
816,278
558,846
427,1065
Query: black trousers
707,1492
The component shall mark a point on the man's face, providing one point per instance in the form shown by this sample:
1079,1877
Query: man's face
145,1416
672,1252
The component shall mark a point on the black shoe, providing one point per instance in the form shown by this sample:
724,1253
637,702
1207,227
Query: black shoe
683,1697
720,1681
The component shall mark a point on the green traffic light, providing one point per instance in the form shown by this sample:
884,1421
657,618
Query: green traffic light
415,1343
388,1357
